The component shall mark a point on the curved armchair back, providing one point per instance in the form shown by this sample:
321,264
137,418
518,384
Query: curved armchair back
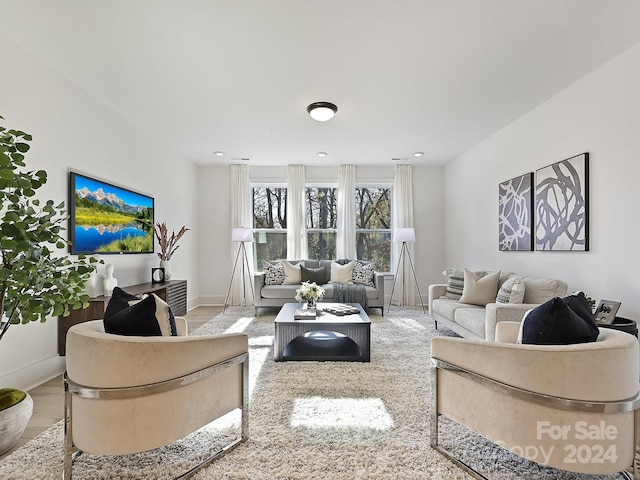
522,395
132,394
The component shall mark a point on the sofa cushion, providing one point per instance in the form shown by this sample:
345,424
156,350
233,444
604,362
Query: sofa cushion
318,275
555,323
479,289
149,316
363,273
540,290
273,273
447,307
342,273
511,291
473,319
292,273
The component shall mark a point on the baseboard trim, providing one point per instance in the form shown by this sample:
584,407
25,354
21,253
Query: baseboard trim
35,374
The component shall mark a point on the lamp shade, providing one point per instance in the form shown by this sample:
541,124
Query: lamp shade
242,235
404,235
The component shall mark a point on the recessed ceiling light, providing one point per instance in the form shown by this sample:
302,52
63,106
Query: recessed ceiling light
322,111
218,154
418,154
322,154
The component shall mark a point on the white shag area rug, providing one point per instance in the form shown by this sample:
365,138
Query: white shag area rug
311,420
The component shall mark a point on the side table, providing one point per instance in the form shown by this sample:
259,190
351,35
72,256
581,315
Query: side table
624,325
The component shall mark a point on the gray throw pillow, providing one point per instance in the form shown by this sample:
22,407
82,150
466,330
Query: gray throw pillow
455,283
318,275
511,291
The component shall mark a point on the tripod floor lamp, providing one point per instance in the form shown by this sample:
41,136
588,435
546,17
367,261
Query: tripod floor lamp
405,235
242,235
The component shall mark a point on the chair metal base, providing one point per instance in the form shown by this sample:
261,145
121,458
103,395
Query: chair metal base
72,389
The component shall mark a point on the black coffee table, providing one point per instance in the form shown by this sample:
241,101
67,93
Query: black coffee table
328,337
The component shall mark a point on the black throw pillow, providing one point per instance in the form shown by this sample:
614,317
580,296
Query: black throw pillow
150,316
578,303
554,323
318,275
119,301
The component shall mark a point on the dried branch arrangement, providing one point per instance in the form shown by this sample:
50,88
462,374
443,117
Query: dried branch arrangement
168,244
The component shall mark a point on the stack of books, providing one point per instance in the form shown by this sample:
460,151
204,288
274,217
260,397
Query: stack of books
305,314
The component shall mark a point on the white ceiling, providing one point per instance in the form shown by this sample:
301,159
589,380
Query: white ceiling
437,76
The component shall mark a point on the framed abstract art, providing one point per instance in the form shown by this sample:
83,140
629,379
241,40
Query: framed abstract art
562,205
515,214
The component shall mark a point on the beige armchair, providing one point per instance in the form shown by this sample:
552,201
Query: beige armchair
572,407
126,394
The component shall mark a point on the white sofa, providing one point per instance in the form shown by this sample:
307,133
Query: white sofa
479,322
278,295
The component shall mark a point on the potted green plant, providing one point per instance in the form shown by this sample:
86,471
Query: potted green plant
37,279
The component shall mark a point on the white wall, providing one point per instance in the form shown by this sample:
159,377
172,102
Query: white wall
599,114
215,218
73,131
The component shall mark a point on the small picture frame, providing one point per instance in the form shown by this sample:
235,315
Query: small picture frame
157,275
606,312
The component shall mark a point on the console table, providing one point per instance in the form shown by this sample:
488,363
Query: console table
174,292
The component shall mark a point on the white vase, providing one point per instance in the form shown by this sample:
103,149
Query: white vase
13,422
92,285
167,269
110,282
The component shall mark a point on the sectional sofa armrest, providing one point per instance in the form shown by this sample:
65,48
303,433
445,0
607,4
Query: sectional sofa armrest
504,312
378,282
436,290
507,332
258,283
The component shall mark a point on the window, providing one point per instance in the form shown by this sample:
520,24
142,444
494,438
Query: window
269,224
373,226
321,222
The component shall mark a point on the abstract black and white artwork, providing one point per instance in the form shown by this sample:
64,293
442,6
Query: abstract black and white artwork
515,214
562,205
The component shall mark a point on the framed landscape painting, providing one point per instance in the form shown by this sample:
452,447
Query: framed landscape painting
562,205
515,214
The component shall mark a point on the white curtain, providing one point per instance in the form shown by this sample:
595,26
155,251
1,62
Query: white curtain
296,214
346,235
241,216
402,216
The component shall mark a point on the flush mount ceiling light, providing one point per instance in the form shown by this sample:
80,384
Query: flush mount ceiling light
322,154
322,111
418,154
218,154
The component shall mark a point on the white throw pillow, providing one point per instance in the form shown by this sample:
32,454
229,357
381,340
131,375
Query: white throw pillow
519,339
342,273
292,273
479,290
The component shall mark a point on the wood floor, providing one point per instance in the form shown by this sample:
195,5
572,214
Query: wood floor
48,398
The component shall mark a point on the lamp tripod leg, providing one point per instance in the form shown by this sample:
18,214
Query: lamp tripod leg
415,278
395,277
233,273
